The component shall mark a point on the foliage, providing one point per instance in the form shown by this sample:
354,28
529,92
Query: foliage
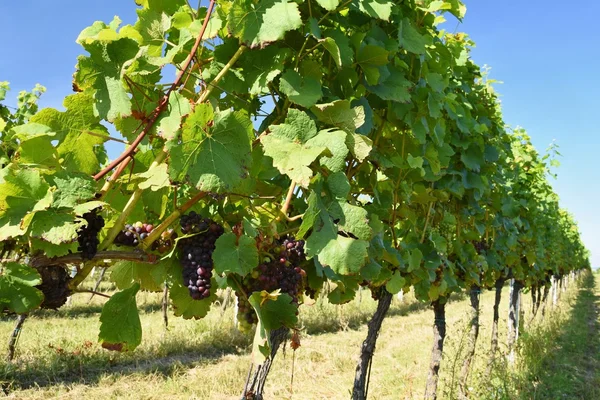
379,142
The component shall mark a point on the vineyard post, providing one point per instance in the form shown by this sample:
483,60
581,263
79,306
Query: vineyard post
513,318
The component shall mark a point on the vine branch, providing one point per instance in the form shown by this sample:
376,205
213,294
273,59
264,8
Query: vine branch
162,103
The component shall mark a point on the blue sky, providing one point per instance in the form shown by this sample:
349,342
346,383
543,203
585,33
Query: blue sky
546,53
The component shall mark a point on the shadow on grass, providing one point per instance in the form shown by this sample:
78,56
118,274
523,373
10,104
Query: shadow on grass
89,365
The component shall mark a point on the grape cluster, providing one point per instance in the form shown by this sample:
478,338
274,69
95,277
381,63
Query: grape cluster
54,286
196,253
246,317
132,235
281,270
87,236
481,246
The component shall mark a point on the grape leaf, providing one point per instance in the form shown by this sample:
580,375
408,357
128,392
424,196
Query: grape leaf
214,159
329,5
262,22
54,227
126,273
102,71
233,254
186,307
381,9
287,146
22,192
304,91
17,291
81,152
261,67
410,38
274,310
340,114
345,256
120,327
360,146
394,88
335,141
355,220
156,178
395,284
72,189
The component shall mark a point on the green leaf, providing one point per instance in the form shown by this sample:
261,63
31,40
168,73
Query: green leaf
342,43
102,71
355,221
55,228
329,5
360,146
126,273
345,256
214,159
414,261
334,140
274,310
473,157
186,307
155,178
120,327
17,291
304,91
410,38
72,189
261,67
263,22
235,255
395,285
168,124
381,9
22,192
80,151
372,56
331,46
394,88
287,146
340,114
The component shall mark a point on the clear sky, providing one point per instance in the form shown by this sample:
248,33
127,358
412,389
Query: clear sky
546,52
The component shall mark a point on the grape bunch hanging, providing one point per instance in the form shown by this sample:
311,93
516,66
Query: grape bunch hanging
196,253
281,269
87,236
133,234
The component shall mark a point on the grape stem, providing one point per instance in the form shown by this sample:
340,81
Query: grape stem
288,198
156,232
210,86
164,101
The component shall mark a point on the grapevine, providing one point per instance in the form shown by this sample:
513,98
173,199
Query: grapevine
347,143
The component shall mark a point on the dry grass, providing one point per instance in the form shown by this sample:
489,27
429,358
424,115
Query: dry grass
58,355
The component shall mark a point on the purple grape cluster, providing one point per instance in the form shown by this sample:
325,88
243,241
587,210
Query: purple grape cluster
87,236
283,270
196,253
132,235
481,246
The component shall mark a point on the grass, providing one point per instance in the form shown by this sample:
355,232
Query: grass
58,355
